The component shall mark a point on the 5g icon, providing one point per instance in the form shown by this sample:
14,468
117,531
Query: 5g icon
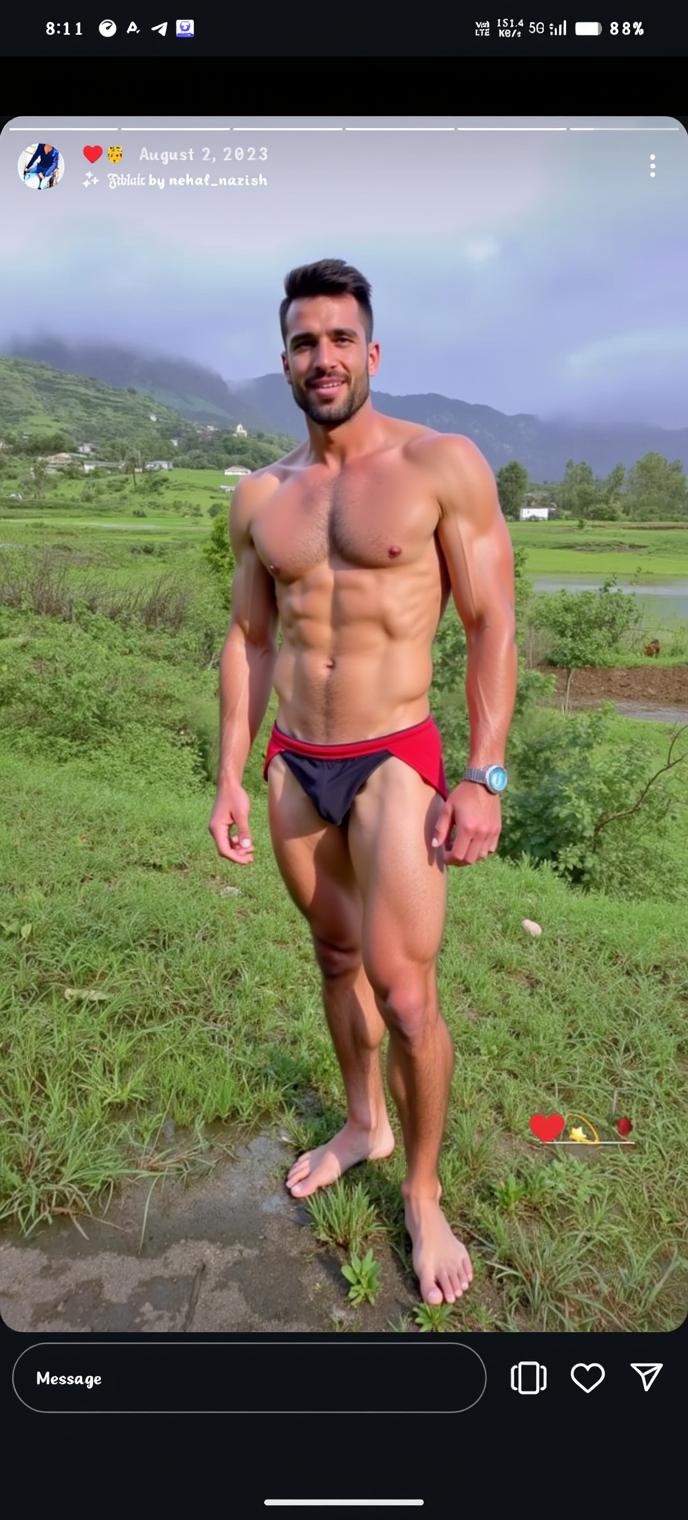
528,1377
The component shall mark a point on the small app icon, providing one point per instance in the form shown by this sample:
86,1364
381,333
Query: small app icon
528,1377
40,166
115,153
185,28
588,1375
107,28
647,1372
161,27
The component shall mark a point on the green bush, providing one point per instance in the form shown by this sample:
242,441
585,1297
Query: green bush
567,775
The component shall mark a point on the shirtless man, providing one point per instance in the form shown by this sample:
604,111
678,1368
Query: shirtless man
352,543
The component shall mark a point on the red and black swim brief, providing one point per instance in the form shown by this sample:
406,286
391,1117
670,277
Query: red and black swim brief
332,774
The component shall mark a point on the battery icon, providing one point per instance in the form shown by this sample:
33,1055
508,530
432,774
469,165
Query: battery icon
588,28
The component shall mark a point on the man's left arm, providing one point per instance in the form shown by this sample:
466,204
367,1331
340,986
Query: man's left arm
476,545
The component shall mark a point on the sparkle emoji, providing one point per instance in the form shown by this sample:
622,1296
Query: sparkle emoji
115,154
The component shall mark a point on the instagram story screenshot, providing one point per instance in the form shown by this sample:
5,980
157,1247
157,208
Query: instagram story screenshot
344,752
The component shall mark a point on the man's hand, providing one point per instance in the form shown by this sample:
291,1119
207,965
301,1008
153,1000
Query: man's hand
229,823
476,814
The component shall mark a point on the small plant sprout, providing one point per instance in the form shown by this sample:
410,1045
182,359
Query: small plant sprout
364,1275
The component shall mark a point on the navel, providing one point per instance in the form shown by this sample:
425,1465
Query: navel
393,551
329,664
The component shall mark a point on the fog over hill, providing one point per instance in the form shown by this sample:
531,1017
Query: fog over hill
202,395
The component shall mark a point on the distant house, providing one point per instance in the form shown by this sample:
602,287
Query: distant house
526,512
58,460
238,469
85,448
159,464
153,416
174,442
227,490
240,431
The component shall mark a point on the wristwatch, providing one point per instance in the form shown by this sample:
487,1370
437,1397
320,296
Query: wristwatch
494,777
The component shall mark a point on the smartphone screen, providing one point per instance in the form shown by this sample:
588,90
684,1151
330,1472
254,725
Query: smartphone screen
344,674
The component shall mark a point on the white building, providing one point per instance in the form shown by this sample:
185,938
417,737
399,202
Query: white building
174,442
159,464
240,431
526,512
238,469
152,416
85,448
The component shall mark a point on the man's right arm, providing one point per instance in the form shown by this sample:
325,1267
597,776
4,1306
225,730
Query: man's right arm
248,657
247,664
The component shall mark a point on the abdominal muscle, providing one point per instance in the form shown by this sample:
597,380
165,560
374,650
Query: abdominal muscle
333,698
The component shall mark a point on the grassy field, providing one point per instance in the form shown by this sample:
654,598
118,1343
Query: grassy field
143,978
653,550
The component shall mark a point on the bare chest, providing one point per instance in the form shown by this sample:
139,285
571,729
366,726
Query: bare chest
364,519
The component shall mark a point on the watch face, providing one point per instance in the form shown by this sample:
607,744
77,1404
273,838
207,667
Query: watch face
497,777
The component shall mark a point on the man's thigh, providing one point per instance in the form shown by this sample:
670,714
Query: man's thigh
313,859
402,880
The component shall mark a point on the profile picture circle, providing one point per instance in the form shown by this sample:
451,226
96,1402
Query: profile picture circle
41,166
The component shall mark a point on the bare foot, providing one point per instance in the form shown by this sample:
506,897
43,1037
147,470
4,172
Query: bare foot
441,1263
316,1169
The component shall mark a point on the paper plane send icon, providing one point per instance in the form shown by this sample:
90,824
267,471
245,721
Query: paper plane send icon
647,1372
161,28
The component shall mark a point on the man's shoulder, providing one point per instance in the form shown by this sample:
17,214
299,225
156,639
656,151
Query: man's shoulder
449,449
458,471
268,476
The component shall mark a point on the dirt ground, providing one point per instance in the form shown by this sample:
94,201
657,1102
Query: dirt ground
230,1252
665,685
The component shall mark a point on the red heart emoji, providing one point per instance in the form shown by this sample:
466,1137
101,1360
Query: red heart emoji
92,154
547,1126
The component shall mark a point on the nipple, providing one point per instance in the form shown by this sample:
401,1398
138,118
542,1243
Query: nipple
393,551
274,569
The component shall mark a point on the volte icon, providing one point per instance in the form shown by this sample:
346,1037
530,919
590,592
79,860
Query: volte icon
647,1372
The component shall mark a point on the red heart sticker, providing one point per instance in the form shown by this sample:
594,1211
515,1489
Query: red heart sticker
547,1126
92,154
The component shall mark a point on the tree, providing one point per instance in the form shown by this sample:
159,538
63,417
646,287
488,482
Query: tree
657,488
585,626
512,484
39,476
579,489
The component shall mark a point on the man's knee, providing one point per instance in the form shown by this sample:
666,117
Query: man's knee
336,959
408,1003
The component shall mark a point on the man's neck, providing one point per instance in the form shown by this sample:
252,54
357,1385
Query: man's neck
334,447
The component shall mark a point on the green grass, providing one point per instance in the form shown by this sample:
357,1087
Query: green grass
141,978
656,551
212,1011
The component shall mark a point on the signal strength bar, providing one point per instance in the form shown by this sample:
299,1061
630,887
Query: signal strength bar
559,31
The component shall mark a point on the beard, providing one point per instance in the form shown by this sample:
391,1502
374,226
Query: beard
334,413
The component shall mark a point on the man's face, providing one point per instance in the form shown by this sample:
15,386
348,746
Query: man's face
328,360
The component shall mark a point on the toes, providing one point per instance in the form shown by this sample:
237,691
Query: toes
300,1169
444,1279
430,1291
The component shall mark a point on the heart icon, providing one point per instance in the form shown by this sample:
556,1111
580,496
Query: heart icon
92,154
588,1375
547,1126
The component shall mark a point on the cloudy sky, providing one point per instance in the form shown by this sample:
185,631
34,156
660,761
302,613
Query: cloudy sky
530,270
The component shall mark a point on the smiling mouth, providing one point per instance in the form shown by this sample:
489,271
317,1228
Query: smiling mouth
325,387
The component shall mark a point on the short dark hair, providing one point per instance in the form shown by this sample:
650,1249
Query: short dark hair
329,277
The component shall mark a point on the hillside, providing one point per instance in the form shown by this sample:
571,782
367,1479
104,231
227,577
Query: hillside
35,399
199,394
